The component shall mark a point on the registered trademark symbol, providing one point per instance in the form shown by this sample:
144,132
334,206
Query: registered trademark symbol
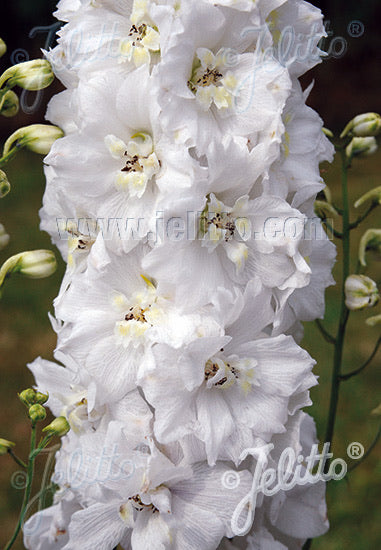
355,450
356,29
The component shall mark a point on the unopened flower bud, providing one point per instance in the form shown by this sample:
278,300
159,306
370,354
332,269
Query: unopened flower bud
9,104
5,446
324,210
3,47
361,146
37,138
376,411
28,397
373,321
37,413
4,237
41,398
5,186
365,125
373,195
31,75
371,240
328,133
35,264
360,292
60,427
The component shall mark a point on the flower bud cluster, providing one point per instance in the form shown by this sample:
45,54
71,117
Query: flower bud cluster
181,198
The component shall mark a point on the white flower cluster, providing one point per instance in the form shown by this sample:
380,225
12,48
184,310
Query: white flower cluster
182,199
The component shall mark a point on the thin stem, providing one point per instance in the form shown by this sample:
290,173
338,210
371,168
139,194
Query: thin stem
338,209
326,335
335,233
372,446
360,369
6,158
46,475
28,488
17,459
344,312
363,216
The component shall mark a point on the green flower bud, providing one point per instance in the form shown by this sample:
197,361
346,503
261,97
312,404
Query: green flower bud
371,240
376,411
328,133
35,264
31,75
373,195
3,47
5,446
324,210
37,138
360,292
37,413
9,104
373,321
4,237
361,146
5,186
60,427
367,124
28,397
41,398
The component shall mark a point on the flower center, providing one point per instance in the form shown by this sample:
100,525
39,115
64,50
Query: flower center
209,82
138,505
77,243
137,313
143,38
141,162
137,318
223,372
221,224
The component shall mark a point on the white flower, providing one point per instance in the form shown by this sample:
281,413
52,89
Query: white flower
236,241
308,303
231,389
114,169
114,315
47,529
297,28
213,84
304,146
158,505
110,34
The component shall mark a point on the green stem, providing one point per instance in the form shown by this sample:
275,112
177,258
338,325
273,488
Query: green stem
360,369
363,216
335,233
44,485
28,489
17,459
6,158
326,335
344,312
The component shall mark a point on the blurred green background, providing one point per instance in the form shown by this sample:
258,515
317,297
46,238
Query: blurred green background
344,87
